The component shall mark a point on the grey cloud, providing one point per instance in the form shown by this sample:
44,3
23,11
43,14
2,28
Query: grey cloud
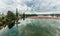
31,5
37,5
8,2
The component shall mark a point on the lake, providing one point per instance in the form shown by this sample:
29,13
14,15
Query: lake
33,27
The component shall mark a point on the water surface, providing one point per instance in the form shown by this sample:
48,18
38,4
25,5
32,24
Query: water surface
34,27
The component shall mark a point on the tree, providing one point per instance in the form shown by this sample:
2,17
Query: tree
17,17
10,15
17,14
23,16
2,16
10,19
52,15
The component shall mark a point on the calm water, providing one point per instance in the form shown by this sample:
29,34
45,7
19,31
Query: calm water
34,27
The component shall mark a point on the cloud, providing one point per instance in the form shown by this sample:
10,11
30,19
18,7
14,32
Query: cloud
29,5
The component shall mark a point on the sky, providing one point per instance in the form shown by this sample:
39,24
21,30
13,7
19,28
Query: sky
29,5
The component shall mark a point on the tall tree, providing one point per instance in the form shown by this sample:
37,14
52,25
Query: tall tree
10,19
23,16
17,17
17,14
10,15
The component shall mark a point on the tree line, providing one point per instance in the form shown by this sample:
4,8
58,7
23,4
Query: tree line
8,19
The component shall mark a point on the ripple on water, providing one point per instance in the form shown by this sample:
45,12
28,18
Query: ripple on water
9,32
30,27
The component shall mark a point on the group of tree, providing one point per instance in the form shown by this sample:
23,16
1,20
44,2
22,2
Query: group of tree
57,15
8,19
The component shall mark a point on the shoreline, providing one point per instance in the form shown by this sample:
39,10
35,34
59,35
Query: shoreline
43,17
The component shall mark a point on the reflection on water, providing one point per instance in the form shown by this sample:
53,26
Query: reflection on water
9,32
40,27
34,27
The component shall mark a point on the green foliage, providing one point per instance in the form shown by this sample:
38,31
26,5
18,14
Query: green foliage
27,15
52,14
17,15
24,16
57,15
1,23
10,19
0,18
10,15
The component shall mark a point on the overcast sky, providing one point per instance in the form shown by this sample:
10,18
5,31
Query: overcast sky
29,5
